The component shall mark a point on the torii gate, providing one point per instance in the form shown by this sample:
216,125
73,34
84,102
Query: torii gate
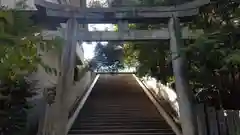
122,16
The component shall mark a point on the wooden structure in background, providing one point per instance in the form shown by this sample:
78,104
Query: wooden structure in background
218,122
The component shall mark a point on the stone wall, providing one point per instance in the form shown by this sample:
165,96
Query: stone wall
44,80
80,87
51,58
75,93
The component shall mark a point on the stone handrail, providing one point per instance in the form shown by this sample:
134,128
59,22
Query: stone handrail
169,119
73,107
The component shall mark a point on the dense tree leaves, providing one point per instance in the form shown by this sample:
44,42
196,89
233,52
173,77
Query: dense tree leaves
213,59
151,59
14,106
20,44
215,55
108,57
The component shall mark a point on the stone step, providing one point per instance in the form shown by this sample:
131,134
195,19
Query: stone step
82,131
119,107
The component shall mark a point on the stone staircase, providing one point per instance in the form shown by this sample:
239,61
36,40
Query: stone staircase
119,106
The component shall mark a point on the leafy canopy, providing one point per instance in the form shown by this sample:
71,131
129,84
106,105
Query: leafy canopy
108,57
20,44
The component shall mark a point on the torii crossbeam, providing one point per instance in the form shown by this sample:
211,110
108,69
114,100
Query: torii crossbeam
61,13
131,35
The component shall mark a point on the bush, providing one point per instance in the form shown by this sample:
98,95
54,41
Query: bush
14,105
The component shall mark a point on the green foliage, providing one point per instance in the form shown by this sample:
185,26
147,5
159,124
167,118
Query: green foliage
107,57
20,43
214,55
20,46
151,58
13,105
212,60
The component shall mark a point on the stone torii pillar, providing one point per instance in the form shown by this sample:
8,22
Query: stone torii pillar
60,110
56,117
65,80
185,95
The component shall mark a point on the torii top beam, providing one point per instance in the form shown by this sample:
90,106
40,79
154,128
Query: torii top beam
133,35
62,12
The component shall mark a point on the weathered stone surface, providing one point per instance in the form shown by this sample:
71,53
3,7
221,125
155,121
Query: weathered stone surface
126,35
112,15
181,7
